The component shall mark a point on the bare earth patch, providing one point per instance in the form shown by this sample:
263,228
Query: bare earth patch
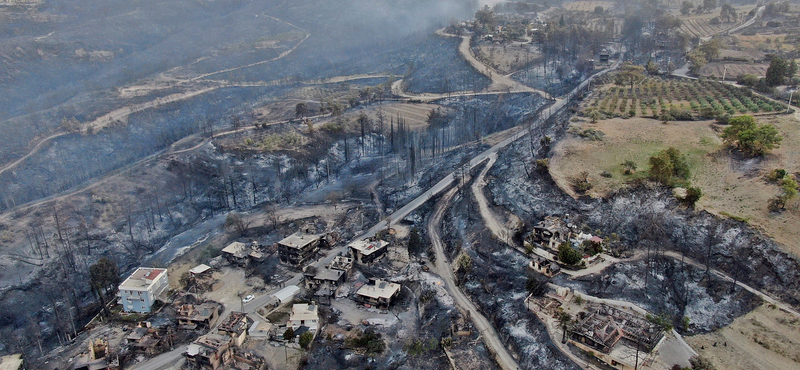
731,187
764,339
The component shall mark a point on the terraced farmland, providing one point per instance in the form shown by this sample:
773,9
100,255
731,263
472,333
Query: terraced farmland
653,96
587,6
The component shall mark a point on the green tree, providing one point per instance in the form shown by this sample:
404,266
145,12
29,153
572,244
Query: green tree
709,5
661,169
594,114
630,74
628,167
686,7
300,110
485,17
568,255
777,71
288,335
751,138
697,59
693,194
104,278
305,339
727,13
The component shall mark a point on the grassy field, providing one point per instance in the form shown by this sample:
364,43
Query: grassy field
764,339
734,188
653,95
734,70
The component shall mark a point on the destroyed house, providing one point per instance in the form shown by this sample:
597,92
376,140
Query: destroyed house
378,293
545,266
99,357
366,251
616,335
142,339
139,291
551,232
242,254
235,326
191,316
208,351
298,249
343,263
324,280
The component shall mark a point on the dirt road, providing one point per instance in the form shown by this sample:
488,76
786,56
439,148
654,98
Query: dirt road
767,298
490,337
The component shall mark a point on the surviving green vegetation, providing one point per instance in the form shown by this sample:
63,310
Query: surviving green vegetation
681,100
669,167
752,139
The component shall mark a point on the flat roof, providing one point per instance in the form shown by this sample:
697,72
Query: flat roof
302,311
236,248
368,247
381,289
299,240
286,293
199,269
142,278
11,362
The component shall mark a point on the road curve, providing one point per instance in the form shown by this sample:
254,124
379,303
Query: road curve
490,337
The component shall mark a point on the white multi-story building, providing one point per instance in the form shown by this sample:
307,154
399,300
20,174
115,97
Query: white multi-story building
304,315
139,291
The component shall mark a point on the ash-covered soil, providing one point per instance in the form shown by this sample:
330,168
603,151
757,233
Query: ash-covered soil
648,217
496,284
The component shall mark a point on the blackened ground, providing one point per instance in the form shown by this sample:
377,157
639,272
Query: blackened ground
496,284
648,216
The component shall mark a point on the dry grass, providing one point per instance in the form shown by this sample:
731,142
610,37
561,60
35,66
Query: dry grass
731,188
506,59
765,42
734,70
764,339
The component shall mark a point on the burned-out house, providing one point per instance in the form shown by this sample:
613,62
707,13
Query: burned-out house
366,251
618,338
242,254
323,281
378,293
298,249
144,339
191,316
208,351
545,266
550,232
235,326
99,357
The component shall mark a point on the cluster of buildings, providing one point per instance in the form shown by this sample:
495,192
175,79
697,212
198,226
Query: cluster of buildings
222,346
